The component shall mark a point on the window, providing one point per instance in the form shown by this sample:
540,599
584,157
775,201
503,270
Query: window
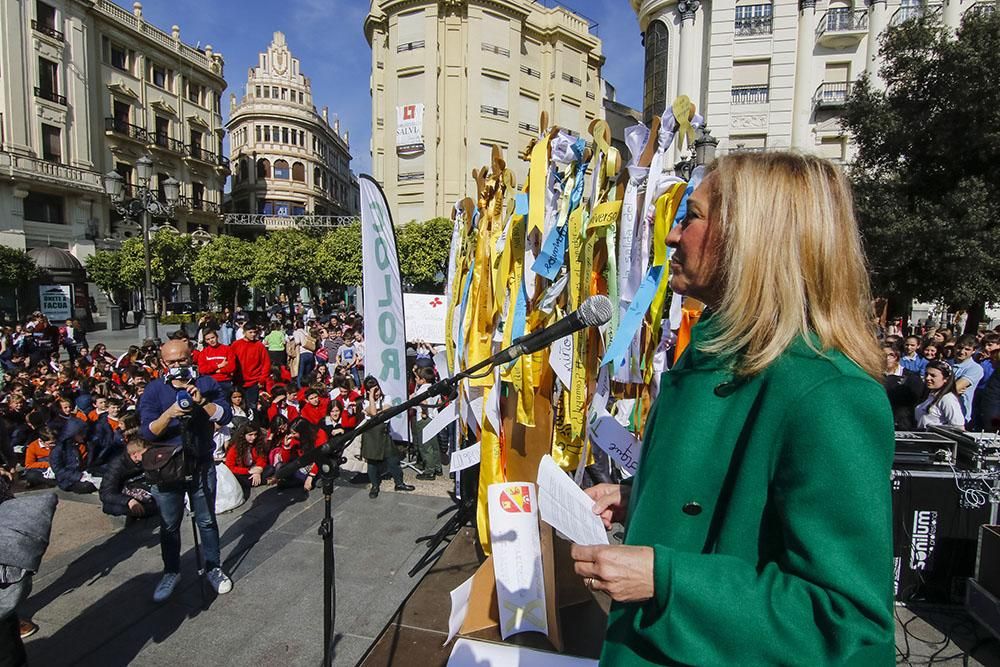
528,114
194,92
301,98
655,71
46,15
263,168
51,143
280,169
119,57
195,144
832,148
317,177
41,207
275,133
495,96
125,171
161,193
267,92
48,76
753,19
256,133
267,133
197,195
298,210
410,30
158,75
568,114
162,131
284,135
274,92
751,81
122,113
299,172
256,91
284,93
748,143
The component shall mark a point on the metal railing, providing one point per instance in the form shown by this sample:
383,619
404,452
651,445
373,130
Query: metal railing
50,95
265,220
751,26
494,111
591,95
531,72
832,94
410,176
223,161
528,127
410,46
165,142
499,50
198,153
981,9
46,29
740,148
908,12
127,129
572,79
842,19
750,94
202,205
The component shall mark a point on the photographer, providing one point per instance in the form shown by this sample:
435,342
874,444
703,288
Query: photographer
163,422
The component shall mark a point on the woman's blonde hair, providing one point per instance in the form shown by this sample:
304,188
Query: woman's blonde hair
791,261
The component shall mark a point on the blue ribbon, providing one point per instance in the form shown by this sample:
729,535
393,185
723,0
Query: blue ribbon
632,319
463,303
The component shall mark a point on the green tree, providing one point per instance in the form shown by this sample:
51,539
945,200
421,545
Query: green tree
104,270
225,263
423,253
16,267
285,259
171,258
927,170
338,257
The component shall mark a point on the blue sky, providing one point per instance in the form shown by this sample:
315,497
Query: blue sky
327,37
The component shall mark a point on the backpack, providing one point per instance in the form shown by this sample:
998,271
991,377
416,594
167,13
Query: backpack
165,464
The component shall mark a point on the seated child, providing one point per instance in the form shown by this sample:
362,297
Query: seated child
124,490
246,455
36,459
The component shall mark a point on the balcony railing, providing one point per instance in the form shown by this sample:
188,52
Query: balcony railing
499,50
198,153
128,130
494,111
591,95
166,142
202,205
908,12
223,161
47,30
750,94
572,79
528,127
50,95
411,176
981,9
410,46
751,26
842,19
531,72
833,94
740,148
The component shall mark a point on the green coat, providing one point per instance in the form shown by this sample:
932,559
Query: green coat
767,503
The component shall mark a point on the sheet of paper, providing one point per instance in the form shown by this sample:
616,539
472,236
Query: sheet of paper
441,363
445,416
465,458
517,558
474,653
564,505
459,606
620,444
491,407
561,359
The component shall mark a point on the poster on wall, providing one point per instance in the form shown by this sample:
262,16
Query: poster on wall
409,129
56,301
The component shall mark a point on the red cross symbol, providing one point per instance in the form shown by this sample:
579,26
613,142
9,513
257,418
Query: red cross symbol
436,302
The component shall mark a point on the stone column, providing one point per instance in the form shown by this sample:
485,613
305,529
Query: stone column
805,84
951,14
689,60
878,19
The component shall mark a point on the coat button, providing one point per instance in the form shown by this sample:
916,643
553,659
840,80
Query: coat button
692,509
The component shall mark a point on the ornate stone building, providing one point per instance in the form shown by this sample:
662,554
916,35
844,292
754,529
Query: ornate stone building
450,78
287,158
771,74
87,87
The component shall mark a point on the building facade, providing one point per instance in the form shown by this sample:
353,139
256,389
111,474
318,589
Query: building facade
287,158
771,74
87,87
451,78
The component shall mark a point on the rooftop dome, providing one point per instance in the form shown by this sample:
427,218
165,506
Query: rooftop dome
55,259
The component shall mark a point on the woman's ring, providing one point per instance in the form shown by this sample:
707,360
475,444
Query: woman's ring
589,583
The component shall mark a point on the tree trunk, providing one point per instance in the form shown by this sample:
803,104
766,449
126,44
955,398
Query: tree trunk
977,313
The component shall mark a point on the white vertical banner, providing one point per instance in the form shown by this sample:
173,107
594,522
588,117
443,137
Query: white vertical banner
385,335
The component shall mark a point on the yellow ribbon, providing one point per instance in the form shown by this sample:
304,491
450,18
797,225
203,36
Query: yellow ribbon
537,175
684,110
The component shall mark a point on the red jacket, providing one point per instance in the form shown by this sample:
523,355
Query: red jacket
315,414
209,359
241,467
287,411
252,360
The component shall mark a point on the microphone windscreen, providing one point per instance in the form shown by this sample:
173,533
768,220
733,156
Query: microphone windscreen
595,311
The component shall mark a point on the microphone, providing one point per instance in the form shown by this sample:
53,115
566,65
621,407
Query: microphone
184,400
595,311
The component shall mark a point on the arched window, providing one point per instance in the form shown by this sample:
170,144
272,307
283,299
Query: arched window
317,177
655,82
263,168
280,169
299,172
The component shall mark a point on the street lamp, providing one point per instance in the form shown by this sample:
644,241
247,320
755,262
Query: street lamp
702,153
142,202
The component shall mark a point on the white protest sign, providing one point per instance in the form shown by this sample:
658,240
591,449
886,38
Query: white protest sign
620,444
465,458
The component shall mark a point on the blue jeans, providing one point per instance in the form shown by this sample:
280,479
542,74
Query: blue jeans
201,491
307,363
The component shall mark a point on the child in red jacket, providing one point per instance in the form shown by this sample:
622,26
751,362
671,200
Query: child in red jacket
246,456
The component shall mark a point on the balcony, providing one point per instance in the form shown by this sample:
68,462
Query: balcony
410,176
575,80
410,46
906,13
126,129
494,111
755,26
50,95
26,168
842,27
531,72
981,9
499,50
167,143
528,127
198,205
47,30
196,152
750,94
832,95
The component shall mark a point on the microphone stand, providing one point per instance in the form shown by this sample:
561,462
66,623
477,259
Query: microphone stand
192,472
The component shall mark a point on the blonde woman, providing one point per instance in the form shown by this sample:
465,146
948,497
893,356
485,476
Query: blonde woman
758,527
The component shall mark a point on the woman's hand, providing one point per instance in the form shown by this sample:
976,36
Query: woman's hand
623,572
308,484
610,502
255,479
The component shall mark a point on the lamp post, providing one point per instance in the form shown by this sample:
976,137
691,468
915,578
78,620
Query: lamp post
143,202
702,153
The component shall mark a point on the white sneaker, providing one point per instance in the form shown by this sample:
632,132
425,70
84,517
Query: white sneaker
166,587
220,582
